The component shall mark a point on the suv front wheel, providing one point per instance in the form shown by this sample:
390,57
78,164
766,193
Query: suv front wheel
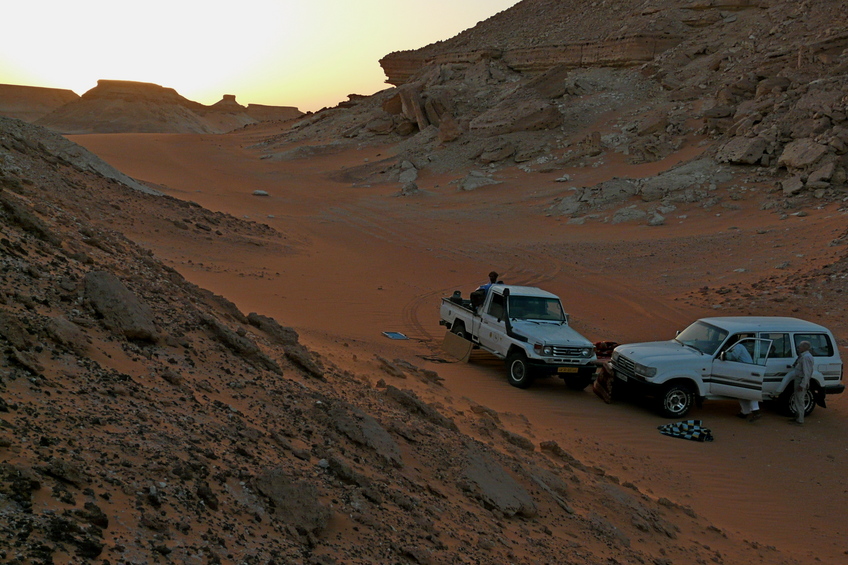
676,400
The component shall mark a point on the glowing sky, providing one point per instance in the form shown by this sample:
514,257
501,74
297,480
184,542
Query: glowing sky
304,53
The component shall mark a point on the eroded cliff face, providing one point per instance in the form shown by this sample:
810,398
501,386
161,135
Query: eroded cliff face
550,85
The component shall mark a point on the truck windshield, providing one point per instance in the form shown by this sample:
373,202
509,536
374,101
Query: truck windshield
535,308
703,337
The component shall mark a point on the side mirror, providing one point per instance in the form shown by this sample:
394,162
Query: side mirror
721,355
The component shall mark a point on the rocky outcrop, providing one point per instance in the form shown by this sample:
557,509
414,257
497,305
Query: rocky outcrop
400,66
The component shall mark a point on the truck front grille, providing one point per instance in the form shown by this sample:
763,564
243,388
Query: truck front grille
562,351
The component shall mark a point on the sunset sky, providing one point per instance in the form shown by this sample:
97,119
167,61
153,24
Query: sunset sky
304,53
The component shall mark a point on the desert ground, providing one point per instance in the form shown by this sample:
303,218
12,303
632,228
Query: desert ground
359,260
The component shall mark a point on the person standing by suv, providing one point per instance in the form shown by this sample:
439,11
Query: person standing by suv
801,381
749,409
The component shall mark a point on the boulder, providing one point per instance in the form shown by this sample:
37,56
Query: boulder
449,128
67,333
742,150
792,185
628,214
769,85
121,310
801,153
475,180
382,125
613,190
498,153
822,174
408,173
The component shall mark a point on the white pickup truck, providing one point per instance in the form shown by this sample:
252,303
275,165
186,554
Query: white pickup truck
528,328
696,364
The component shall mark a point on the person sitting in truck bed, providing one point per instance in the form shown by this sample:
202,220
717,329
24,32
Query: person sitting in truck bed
479,295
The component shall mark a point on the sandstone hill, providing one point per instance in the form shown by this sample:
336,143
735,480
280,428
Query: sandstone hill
28,103
135,107
145,420
756,91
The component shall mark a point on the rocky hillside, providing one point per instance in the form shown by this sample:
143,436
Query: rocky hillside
136,107
143,419
756,90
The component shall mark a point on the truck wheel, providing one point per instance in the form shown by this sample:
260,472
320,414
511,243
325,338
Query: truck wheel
518,370
788,408
676,400
459,329
579,381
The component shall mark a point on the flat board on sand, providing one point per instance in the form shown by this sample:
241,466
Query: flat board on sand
456,346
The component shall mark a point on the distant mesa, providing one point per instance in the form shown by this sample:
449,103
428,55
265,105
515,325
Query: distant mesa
29,103
228,104
118,106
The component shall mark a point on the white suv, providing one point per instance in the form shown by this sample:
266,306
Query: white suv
693,366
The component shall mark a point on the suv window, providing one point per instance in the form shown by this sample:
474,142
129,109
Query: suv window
781,348
822,347
496,307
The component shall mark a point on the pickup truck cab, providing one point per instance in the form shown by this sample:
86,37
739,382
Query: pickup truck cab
698,364
528,328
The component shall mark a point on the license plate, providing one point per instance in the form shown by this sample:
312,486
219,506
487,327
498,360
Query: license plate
567,370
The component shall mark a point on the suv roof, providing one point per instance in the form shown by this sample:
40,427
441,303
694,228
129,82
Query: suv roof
763,324
516,290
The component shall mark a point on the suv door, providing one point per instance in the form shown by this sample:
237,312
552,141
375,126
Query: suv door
491,331
780,361
738,379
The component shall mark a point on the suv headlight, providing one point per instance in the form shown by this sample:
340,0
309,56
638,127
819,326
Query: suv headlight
644,370
545,350
586,352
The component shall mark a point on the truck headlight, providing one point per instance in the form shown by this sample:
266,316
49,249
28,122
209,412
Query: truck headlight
615,355
644,370
586,352
545,350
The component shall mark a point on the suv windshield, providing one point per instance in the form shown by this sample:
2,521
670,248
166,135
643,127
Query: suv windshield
703,337
535,308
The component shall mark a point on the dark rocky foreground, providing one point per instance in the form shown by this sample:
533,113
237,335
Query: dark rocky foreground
145,420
